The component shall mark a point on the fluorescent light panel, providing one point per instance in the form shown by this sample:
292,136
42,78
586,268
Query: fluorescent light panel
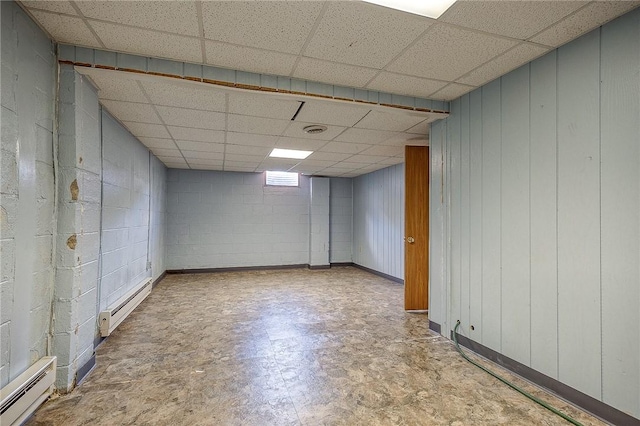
429,8
290,153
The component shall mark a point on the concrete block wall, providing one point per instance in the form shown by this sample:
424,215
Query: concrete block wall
78,226
27,80
340,220
319,221
158,220
226,219
125,219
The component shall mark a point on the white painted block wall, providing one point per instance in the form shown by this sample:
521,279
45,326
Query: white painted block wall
125,211
340,220
226,219
319,221
27,81
157,234
541,206
378,220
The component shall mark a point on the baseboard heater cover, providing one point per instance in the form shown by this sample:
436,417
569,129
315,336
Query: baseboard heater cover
110,318
22,396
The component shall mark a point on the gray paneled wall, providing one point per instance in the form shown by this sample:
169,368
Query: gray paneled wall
378,220
26,191
125,212
538,221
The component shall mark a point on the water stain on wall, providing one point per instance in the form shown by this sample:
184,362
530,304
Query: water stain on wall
74,190
72,241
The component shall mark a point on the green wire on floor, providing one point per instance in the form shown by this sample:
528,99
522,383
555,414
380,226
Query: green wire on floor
508,383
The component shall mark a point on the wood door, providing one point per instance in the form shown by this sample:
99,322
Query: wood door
416,241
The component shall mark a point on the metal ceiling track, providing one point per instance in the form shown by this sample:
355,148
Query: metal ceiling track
103,59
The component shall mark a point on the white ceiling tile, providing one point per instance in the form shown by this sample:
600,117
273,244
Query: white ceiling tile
263,126
595,14
333,73
368,159
402,139
368,136
263,105
349,164
327,156
242,164
200,155
147,130
183,117
248,59
305,169
246,23
204,162
372,168
336,171
245,158
115,85
358,33
158,143
248,150
66,29
384,150
446,53
51,6
299,143
172,160
396,121
516,19
160,152
391,161
148,43
206,167
171,92
140,113
503,64
173,16
251,139
330,112
452,91
295,130
200,146
343,147
278,163
420,128
405,84
198,135
239,169
318,163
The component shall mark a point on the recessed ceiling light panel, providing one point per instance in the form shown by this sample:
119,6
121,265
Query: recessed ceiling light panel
290,153
429,8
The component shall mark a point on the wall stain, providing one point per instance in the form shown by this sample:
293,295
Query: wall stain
72,241
80,160
74,190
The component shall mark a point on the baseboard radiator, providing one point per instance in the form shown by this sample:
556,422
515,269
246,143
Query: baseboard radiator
23,396
110,318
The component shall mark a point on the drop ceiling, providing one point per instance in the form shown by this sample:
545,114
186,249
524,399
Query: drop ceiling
344,43
196,125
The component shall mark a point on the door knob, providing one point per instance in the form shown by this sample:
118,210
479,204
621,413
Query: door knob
410,240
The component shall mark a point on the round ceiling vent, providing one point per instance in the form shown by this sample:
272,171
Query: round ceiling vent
314,129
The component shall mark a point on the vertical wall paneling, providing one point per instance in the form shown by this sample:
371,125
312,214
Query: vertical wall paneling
453,132
579,214
158,215
340,220
544,248
491,199
437,285
465,291
319,221
378,220
620,221
515,240
475,214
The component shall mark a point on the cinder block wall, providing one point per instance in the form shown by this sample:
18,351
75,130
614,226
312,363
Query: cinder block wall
27,221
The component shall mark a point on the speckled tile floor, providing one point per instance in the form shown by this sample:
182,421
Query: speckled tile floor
287,347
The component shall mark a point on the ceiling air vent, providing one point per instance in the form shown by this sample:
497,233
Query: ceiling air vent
314,129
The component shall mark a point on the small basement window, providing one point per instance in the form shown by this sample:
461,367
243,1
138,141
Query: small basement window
282,178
